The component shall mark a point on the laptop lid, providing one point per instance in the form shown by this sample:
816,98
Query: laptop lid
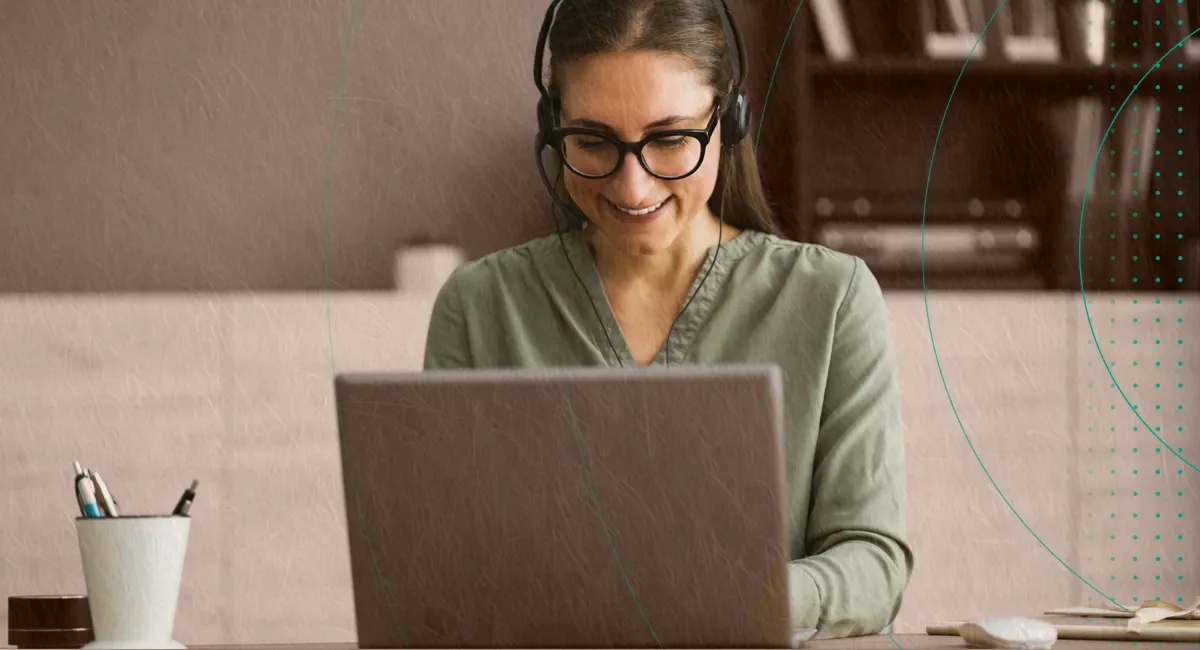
567,507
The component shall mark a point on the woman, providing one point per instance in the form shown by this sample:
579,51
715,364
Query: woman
684,227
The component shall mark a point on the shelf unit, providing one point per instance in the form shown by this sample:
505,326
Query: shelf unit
864,129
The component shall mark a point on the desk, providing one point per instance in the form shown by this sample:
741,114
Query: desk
904,641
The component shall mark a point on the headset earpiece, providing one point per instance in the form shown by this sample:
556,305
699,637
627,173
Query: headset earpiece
545,117
552,164
735,122
550,168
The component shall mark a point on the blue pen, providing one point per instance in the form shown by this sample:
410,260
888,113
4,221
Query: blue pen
87,497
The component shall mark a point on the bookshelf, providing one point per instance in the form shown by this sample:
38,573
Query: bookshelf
846,150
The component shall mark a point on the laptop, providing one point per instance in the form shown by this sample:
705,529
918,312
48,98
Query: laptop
632,508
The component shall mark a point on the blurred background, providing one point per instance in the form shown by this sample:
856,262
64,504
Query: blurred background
209,207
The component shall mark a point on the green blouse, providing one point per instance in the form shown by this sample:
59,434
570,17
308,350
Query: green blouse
817,314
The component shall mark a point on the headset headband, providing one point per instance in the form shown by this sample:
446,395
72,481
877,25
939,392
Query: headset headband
734,48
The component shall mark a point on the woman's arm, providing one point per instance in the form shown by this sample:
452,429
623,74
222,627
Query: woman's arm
857,563
446,344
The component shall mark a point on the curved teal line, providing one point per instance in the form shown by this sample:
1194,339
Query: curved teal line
929,320
1079,255
387,593
771,83
600,514
763,118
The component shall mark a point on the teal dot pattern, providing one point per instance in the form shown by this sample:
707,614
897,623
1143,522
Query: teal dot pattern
1138,517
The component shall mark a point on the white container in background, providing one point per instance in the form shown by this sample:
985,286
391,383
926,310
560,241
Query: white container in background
133,567
425,268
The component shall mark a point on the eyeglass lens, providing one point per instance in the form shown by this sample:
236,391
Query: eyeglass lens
669,156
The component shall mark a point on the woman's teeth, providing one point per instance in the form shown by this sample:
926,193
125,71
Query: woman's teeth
640,213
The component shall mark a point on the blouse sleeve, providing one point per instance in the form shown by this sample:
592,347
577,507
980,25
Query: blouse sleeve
446,343
857,562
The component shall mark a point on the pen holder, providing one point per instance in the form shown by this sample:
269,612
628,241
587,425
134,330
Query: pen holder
133,567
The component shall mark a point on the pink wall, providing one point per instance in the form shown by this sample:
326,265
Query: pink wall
236,391
155,146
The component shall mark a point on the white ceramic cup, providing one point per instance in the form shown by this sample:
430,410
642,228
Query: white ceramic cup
426,268
133,567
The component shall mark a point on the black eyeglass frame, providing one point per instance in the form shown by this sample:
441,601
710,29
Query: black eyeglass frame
558,141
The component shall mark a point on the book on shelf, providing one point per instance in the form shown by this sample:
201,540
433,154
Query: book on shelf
1176,23
864,29
1077,124
959,248
1190,29
1105,175
912,208
834,29
1027,31
1103,157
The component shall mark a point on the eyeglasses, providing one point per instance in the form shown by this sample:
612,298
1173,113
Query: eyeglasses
669,155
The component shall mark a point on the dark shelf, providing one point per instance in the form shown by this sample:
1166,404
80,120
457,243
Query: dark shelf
942,67
949,69
865,129
949,282
930,220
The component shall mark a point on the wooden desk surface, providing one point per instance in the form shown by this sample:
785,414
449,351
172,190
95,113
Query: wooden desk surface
901,642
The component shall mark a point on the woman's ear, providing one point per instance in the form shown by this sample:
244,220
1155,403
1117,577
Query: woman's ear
574,216
553,165
554,169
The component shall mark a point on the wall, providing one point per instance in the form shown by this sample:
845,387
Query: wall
155,146
235,390
180,146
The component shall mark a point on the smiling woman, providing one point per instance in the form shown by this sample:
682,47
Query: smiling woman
641,209
663,81
668,254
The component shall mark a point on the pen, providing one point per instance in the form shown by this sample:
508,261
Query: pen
105,497
87,496
79,476
185,501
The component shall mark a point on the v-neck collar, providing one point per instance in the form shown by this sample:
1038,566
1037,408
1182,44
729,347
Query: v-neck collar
719,258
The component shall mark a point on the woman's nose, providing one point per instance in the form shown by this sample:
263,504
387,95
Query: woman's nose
633,184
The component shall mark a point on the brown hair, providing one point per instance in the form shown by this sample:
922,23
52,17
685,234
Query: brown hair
693,29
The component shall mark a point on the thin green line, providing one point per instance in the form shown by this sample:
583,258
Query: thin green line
771,83
1079,255
387,592
762,120
337,100
929,320
600,514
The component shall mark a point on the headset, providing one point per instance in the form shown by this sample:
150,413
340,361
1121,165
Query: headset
735,126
